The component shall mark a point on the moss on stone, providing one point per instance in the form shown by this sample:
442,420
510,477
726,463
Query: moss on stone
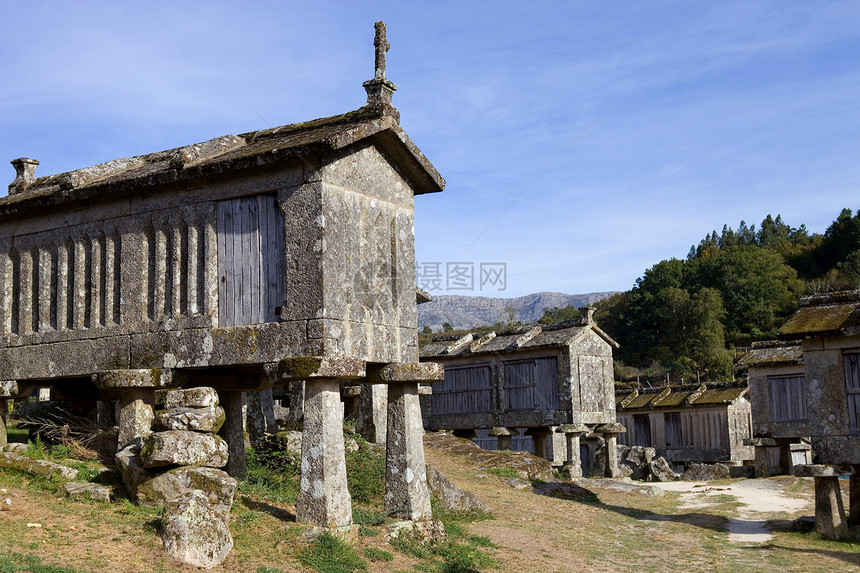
299,367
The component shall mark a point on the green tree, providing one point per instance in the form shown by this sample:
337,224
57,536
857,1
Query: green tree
447,327
427,330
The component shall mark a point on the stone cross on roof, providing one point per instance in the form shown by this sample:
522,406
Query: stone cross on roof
382,46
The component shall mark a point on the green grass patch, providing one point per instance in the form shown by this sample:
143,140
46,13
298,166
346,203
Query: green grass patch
272,483
504,472
330,555
375,554
18,563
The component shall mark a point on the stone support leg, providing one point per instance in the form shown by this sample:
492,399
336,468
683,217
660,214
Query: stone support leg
267,406
505,442
323,496
255,423
854,497
407,495
297,405
371,420
572,468
829,513
611,451
539,441
784,458
4,412
762,462
233,432
135,415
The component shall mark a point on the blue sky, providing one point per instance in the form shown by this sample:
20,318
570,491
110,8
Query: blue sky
582,142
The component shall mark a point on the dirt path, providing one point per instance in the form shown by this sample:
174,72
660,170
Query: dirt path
761,499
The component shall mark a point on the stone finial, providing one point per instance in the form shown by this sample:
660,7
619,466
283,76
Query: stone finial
380,89
25,170
587,314
382,46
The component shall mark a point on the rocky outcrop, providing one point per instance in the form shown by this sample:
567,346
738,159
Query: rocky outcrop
36,467
452,497
464,312
706,472
661,471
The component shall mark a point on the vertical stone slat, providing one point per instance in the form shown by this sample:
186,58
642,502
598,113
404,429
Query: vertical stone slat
5,288
109,270
25,293
160,278
193,264
46,279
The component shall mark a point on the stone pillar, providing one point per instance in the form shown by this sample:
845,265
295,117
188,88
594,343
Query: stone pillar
784,457
135,415
829,513
351,398
372,419
539,438
4,412
854,496
504,437
762,461
323,496
297,405
233,432
255,423
267,406
407,495
610,447
572,467
137,397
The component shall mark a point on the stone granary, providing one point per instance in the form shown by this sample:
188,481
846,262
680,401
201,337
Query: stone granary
534,380
688,424
273,256
828,327
780,430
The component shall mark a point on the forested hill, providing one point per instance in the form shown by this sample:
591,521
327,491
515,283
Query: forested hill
464,312
684,317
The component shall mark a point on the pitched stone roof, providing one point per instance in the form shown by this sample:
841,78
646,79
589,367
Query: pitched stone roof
233,153
773,353
825,315
524,337
680,396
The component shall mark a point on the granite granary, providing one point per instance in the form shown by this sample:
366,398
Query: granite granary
271,257
553,384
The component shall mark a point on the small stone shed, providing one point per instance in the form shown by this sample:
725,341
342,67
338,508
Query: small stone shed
539,381
829,329
703,423
780,428
273,256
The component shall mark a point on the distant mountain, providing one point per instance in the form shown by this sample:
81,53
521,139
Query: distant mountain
470,311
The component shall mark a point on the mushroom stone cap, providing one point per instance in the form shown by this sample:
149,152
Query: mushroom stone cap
572,429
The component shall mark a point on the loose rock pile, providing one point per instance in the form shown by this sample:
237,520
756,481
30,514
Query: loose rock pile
176,466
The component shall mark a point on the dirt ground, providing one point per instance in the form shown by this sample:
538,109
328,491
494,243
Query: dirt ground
687,528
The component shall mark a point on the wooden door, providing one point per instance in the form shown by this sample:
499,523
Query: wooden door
250,260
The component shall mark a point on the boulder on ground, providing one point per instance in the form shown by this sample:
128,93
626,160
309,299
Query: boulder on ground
193,532
207,419
661,471
706,472
36,467
217,485
637,459
90,491
184,448
132,473
452,497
